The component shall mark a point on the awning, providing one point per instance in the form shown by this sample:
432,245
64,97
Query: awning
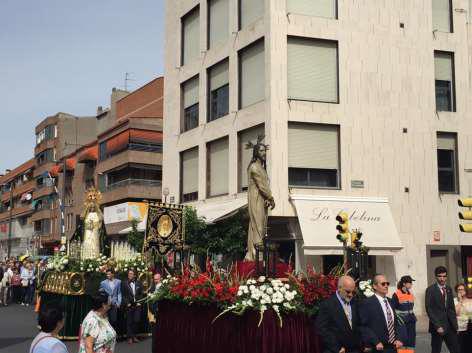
70,164
218,210
54,171
316,215
89,154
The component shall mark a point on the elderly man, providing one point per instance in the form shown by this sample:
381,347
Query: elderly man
378,324
338,320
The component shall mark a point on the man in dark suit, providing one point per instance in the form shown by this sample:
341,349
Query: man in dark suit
378,324
442,314
338,319
131,292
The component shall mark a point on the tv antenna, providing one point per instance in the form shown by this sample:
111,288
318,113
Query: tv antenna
128,79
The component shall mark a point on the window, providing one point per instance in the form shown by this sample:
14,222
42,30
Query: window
218,88
102,151
447,163
444,81
320,8
250,11
190,36
189,175
48,133
244,154
217,167
218,19
442,15
313,155
251,74
190,104
312,70
45,156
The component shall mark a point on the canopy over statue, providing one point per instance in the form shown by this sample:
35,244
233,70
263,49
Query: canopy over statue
259,196
93,218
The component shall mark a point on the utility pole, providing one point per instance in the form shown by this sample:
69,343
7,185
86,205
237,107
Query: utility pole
10,219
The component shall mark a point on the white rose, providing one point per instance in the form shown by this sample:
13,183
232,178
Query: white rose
368,293
270,290
261,279
263,301
287,286
240,293
252,288
263,288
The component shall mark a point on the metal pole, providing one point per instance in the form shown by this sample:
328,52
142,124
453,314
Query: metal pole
63,204
10,220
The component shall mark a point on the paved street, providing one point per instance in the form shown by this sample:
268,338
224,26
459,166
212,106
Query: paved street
18,327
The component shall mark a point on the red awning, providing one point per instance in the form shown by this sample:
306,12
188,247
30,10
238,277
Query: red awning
148,136
54,171
70,164
118,142
89,154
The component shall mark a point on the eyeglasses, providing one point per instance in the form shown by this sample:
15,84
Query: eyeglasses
384,284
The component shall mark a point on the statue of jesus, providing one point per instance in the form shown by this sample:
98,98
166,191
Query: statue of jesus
259,196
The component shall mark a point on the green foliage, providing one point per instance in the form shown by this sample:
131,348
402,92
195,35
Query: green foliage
135,237
227,237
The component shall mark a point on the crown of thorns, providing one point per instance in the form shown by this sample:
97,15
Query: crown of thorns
260,138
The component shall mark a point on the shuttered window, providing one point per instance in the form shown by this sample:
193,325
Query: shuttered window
442,16
218,19
217,157
313,155
444,81
190,36
245,155
251,74
189,165
312,70
447,162
218,90
250,11
320,8
190,104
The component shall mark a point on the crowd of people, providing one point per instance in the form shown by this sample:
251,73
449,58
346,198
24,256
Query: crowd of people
381,323
345,324
18,281
98,333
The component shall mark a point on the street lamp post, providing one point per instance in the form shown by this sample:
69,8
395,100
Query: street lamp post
10,218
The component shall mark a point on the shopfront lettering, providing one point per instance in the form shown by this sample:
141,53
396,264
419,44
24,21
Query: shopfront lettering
326,214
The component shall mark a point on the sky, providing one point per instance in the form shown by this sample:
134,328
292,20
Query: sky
66,56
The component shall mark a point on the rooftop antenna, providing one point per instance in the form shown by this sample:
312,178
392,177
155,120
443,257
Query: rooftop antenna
127,79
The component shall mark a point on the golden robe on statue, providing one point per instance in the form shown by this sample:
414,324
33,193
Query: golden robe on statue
259,199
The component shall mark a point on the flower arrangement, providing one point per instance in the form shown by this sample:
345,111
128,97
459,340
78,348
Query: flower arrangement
365,288
58,263
263,294
314,287
193,287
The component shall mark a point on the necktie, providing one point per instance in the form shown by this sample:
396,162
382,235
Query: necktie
390,323
443,293
346,311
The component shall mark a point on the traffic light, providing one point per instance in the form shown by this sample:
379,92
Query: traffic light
342,227
466,215
356,236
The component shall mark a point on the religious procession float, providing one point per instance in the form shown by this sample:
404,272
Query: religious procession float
258,304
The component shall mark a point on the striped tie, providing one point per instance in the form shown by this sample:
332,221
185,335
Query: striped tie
390,323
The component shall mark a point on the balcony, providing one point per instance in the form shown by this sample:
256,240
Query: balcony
132,189
16,212
44,145
129,157
43,168
43,191
46,213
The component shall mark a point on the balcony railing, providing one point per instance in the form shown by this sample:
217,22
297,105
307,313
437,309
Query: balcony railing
137,182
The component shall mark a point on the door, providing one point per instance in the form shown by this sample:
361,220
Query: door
437,258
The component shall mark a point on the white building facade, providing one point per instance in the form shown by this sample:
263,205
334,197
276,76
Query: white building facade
366,108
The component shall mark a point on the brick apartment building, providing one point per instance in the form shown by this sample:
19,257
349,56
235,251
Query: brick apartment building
16,188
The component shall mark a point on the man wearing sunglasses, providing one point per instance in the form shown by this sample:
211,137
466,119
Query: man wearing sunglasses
338,319
442,314
378,323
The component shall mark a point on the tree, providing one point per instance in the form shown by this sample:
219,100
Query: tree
135,237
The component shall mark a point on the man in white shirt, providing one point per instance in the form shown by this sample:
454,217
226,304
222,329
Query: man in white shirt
112,287
378,323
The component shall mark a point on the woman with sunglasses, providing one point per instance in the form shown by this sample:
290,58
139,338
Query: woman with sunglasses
403,302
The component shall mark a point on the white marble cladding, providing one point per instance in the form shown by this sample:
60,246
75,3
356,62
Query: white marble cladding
386,85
